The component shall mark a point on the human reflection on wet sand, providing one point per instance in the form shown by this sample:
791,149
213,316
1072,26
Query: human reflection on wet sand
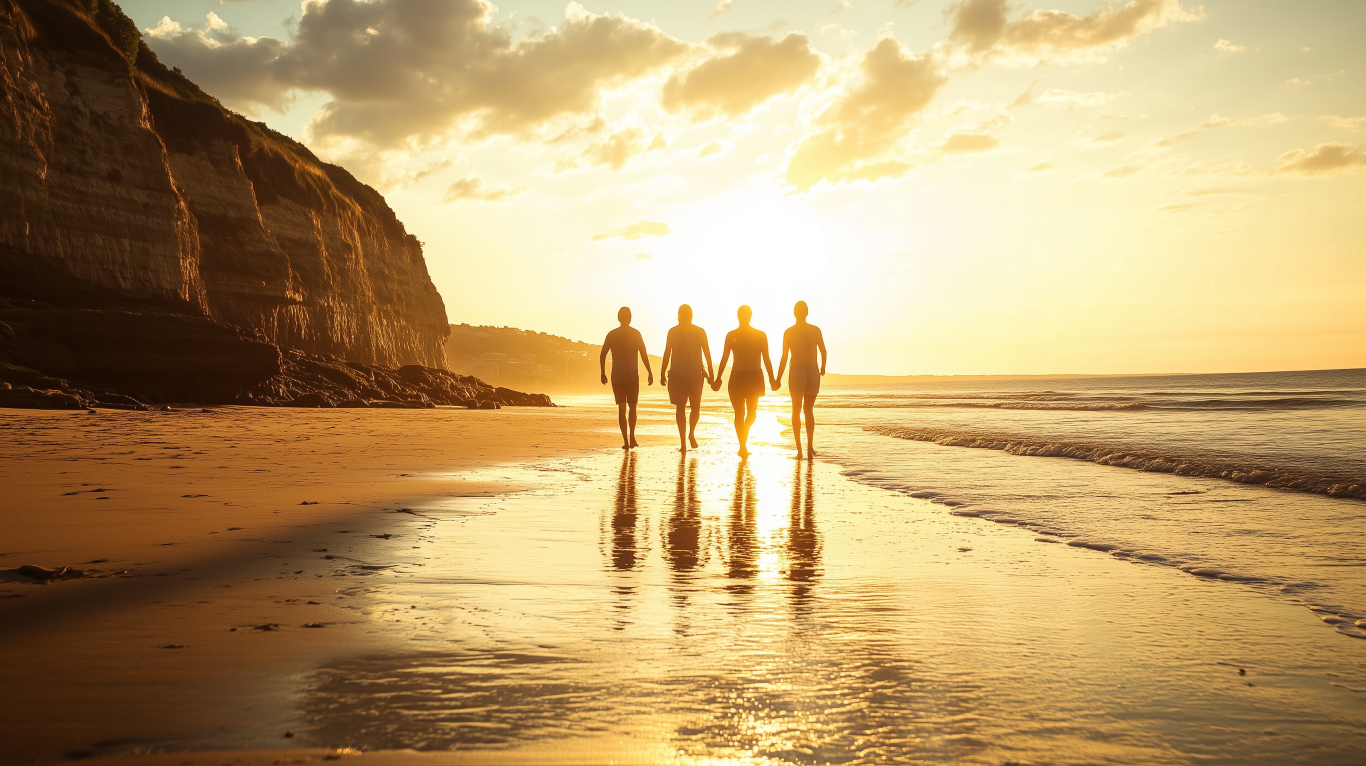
626,553
803,541
625,515
742,539
683,532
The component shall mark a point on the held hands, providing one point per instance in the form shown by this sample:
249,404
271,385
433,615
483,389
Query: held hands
716,384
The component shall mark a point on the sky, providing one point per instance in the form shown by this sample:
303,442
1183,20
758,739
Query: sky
966,187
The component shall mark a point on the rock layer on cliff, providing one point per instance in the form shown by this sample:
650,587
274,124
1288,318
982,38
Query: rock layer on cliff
124,175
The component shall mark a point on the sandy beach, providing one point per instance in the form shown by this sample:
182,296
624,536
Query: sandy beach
504,587
197,527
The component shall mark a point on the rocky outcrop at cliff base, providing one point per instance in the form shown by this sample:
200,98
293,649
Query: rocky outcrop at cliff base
66,358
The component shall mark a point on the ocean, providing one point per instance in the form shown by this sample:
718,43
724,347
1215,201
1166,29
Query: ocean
1253,478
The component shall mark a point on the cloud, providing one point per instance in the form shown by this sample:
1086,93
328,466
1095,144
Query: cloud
1108,138
721,8
1325,159
982,31
1123,172
1069,99
852,137
403,179
474,188
746,71
1041,167
614,151
1215,121
1345,123
713,147
1182,207
644,257
968,143
1224,46
637,230
400,71
233,68
1209,192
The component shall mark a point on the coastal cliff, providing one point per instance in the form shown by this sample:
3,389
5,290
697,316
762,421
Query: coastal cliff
124,179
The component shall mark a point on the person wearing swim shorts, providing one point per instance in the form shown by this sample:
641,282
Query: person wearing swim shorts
746,385
802,341
686,347
624,344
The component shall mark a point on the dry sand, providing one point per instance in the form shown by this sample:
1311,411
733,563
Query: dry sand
195,529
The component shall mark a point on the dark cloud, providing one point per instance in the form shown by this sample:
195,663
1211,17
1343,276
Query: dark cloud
983,30
405,70
1325,159
746,71
233,68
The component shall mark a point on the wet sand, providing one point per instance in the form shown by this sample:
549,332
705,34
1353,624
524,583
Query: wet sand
196,528
566,603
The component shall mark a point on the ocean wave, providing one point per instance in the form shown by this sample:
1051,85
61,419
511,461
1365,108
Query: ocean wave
1096,404
991,405
1139,459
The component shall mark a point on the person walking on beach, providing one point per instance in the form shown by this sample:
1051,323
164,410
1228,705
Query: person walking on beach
624,344
803,340
750,346
686,347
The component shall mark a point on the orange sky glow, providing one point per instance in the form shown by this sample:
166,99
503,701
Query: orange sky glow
974,187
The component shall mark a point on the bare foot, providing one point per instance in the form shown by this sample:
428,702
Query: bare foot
743,452
810,452
633,442
625,446
692,440
799,454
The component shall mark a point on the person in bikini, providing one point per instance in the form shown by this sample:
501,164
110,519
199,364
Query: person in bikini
625,344
746,385
686,347
803,340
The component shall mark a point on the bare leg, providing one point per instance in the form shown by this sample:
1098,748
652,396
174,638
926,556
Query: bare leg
632,421
752,412
810,426
682,418
797,423
621,421
741,432
695,416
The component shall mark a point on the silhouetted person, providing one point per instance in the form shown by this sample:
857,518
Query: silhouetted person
686,347
746,385
624,343
803,340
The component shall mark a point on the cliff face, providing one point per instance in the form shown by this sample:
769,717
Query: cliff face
125,176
